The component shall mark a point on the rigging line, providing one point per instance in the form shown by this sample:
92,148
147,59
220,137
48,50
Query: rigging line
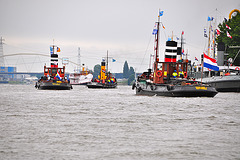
145,52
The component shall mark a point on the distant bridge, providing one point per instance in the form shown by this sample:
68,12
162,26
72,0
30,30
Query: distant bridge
37,74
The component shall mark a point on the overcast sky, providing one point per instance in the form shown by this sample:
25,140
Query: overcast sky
123,27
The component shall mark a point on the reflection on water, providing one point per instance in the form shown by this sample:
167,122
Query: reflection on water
116,124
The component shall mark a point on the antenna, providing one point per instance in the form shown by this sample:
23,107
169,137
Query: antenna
79,61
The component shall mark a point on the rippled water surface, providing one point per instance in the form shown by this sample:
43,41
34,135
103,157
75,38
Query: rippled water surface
116,124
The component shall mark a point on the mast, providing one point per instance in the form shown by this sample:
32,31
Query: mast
157,40
181,46
209,37
107,62
79,61
156,48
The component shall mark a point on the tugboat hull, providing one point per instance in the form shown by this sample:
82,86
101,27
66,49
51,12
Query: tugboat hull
177,91
53,86
100,85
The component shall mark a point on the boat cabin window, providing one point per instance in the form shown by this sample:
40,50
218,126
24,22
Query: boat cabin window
54,70
46,70
179,67
165,66
184,67
61,71
160,66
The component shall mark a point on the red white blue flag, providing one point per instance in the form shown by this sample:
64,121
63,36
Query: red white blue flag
210,63
58,76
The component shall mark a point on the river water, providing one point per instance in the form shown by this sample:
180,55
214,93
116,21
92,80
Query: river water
95,124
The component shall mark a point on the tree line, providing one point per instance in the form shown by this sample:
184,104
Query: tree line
231,27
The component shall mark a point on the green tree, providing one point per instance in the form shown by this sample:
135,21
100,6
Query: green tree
125,70
97,69
234,24
131,71
131,79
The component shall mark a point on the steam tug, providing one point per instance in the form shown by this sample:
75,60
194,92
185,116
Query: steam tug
54,77
162,82
105,79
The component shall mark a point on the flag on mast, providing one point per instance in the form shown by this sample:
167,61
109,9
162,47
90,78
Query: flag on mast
210,63
227,27
229,35
51,50
58,49
210,18
154,31
160,13
218,32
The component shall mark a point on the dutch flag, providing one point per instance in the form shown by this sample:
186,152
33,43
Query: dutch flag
210,63
58,76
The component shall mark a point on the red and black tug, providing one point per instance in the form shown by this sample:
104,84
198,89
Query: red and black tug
161,81
54,77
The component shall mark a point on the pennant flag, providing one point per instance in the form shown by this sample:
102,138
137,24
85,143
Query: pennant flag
58,49
229,35
58,76
154,31
225,19
227,27
155,26
210,63
160,13
163,26
196,59
51,50
210,18
205,32
218,32
183,52
169,39
113,60
182,32
177,38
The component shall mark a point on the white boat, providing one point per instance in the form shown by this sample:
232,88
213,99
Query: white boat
82,78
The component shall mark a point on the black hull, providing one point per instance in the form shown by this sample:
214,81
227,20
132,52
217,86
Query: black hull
177,91
82,84
53,86
226,85
100,85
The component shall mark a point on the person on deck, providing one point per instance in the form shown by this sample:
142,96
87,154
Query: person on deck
174,74
181,74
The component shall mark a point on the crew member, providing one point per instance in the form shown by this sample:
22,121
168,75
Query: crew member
174,74
181,74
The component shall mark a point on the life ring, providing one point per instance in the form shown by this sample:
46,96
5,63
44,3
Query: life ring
237,68
159,73
185,74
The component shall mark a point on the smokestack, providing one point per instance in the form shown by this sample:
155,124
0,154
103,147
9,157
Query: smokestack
220,53
171,51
